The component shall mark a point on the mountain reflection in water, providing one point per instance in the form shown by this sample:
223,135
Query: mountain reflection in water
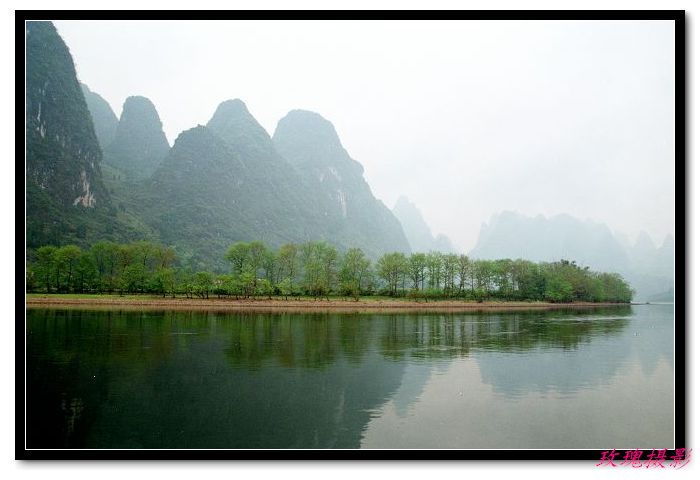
192,379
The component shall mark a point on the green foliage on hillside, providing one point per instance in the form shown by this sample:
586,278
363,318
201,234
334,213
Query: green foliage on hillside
63,156
66,198
204,197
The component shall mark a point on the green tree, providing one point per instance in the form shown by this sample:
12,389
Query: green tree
616,288
417,264
184,280
434,265
319,261
464,273
329,267
256,258
237,255
140,267
86,277
145,252
450,265
31,279
529,280
225,285
165,256
66,261
106,258
391,267
264,288
353,272
557,288
46,266
501,275
203,283
287,261
163,281
269,266
483,274
247,282
286,287
133,278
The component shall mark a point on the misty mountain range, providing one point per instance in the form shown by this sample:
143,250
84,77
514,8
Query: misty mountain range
92,176
417,230
91,179
649,270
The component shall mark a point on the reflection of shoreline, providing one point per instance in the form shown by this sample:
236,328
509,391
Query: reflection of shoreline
284,380
643,336
300,305
317,339
567,374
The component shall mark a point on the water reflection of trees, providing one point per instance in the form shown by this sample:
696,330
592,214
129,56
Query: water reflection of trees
297,340
452,335
89,368
316,340
312,340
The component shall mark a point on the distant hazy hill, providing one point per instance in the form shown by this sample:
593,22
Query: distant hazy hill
651,260
66,197
667,296
665,258
651,269
351,214
510,235
103,118
444,244
417,231
139,144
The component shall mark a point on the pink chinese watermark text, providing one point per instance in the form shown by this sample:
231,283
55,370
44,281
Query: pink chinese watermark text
661,458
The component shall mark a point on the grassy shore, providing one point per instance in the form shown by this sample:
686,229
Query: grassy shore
373,303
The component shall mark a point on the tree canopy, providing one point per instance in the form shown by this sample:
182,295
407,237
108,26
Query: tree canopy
316,269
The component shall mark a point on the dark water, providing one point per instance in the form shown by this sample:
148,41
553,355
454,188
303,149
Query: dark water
598,379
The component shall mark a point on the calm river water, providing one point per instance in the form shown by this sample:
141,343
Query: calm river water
594,378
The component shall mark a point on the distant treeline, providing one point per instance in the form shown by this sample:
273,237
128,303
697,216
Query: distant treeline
315,269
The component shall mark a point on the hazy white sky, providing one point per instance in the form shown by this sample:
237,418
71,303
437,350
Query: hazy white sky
466,118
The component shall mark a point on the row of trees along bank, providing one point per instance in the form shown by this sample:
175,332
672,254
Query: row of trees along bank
315,269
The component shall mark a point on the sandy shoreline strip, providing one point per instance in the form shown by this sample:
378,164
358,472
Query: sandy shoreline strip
304,305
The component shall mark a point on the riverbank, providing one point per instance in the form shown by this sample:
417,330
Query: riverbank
280,304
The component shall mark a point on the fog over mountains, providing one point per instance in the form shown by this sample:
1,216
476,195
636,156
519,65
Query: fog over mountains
93,176
139,144
103,118
427,110
417,230
353,215
220,183
648,269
